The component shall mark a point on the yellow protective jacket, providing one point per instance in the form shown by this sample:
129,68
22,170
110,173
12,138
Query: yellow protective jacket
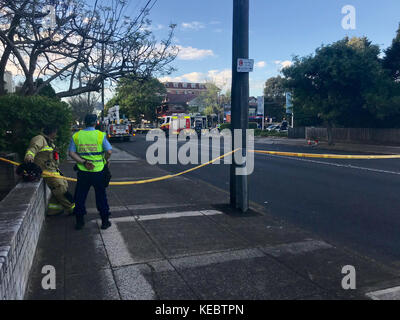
42,148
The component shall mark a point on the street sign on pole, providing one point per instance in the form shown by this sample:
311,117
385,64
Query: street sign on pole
241,66
245,65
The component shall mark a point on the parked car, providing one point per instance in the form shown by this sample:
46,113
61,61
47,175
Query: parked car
273,127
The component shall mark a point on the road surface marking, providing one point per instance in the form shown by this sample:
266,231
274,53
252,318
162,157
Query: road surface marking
338,165
132,284
146,206
115,245
174,215
387,294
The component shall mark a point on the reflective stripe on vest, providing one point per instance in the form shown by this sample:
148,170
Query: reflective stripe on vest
44,149
89,146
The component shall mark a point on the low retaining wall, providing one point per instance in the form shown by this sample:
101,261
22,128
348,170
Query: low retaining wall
357,135
22,213
297,133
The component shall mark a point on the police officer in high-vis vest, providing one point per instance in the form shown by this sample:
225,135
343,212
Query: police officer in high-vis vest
91,150
43,153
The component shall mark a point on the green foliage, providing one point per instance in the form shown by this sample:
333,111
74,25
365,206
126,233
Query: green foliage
274,95
209,100
25,117
139,99
260,133
344,84
391,61
46,91
253,125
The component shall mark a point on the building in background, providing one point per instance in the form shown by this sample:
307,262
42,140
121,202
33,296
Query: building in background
180,97
9,80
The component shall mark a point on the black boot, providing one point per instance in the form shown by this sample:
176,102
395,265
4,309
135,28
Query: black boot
80,222
105,223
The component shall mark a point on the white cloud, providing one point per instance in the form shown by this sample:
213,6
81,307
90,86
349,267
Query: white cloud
190,53
283,64
194,25
261,64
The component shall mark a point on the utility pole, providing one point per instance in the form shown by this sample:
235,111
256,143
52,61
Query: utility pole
239,197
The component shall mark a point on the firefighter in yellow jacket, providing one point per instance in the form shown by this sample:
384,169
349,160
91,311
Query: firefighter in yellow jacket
43,152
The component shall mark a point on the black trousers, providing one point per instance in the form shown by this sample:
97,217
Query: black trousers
85,181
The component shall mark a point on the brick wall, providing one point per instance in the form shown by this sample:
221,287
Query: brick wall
22,213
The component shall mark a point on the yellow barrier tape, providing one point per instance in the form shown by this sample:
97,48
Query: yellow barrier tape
47,174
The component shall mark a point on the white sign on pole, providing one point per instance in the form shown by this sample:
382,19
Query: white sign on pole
260,105
245,65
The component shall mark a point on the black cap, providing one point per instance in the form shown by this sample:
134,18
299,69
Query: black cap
90,119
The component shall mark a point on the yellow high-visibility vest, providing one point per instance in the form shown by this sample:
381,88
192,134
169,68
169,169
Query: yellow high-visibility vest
89,146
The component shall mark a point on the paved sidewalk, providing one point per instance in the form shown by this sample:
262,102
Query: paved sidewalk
177,239
347,147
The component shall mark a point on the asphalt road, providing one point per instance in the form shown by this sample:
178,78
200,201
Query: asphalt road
351,203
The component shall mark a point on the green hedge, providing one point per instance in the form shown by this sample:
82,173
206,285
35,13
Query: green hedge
260,133
22,118
253,125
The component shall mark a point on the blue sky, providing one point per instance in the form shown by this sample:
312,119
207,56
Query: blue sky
279,29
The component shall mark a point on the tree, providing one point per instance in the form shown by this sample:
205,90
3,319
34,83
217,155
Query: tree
139,99
82,42
82,105
47,91
391,61
209,100
274,95
344,84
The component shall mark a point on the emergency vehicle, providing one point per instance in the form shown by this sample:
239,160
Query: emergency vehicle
176,123
115,127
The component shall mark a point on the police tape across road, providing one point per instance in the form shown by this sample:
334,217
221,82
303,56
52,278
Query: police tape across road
47,174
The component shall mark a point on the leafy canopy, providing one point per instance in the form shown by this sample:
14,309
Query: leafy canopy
344,84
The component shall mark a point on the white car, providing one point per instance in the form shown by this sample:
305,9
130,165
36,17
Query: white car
273,127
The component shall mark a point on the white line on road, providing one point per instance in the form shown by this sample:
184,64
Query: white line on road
337,165
175,215
387,294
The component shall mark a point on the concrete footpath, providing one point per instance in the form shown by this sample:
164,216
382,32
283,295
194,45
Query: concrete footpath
345,147
178,240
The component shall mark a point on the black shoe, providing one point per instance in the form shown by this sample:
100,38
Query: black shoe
105,223
80,222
